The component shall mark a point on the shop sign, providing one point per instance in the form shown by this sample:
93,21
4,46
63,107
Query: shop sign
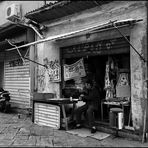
16,62
96,47
92,47
74,70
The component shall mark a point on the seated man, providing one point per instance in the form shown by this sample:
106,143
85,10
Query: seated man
91,97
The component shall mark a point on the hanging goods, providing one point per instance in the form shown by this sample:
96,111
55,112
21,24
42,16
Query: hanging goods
109,86
107,81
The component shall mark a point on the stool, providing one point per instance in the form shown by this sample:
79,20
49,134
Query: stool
116,118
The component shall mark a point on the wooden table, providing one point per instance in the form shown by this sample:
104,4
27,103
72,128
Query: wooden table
60,102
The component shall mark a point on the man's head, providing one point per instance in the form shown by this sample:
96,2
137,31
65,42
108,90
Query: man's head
88,84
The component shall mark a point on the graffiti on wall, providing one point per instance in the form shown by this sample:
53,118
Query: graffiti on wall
52,73
137,95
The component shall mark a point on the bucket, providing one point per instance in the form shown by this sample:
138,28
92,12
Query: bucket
120,120
116,118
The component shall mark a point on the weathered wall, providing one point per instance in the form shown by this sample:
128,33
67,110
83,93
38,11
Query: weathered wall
138,69
117,10
47,51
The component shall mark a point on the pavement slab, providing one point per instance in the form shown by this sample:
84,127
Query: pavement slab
21,132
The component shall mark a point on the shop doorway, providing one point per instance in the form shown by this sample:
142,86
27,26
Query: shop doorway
1,73
95,67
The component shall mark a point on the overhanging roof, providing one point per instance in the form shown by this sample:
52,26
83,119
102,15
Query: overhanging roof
97,27
9,31
60,9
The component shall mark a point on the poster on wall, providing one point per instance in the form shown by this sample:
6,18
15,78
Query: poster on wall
54,71
74,70
123,79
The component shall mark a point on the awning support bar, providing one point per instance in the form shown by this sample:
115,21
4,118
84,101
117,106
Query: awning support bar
35,62
129,43
25,55
16,49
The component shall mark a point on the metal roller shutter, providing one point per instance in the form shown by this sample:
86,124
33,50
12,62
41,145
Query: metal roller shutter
17,80
47,114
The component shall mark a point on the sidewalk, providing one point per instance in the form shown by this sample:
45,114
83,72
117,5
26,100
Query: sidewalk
15,132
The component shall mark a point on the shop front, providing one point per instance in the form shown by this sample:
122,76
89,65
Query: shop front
106,63
87,45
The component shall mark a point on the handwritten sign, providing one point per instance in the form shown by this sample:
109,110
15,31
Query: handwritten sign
55,74
54,71
74,70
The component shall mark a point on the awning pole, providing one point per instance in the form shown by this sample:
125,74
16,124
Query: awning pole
25,55
60,37
16,49
35,62
129,43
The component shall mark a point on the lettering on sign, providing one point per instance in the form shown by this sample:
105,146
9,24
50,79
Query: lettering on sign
17,62
94,47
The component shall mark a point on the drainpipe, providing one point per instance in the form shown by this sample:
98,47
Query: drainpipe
44,2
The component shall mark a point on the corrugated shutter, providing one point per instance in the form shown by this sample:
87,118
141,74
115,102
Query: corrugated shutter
17,80
102,47
47,114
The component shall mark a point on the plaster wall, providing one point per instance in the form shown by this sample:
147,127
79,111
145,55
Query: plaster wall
117,10
47,51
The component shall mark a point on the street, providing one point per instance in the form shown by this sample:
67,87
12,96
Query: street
22,132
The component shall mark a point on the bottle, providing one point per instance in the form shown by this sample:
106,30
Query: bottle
70,98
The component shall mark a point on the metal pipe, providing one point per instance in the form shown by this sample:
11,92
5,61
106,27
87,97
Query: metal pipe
57,37
44,2
25,55
61,36
129,43
16,49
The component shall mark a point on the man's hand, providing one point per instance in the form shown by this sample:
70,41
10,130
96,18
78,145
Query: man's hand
81,97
